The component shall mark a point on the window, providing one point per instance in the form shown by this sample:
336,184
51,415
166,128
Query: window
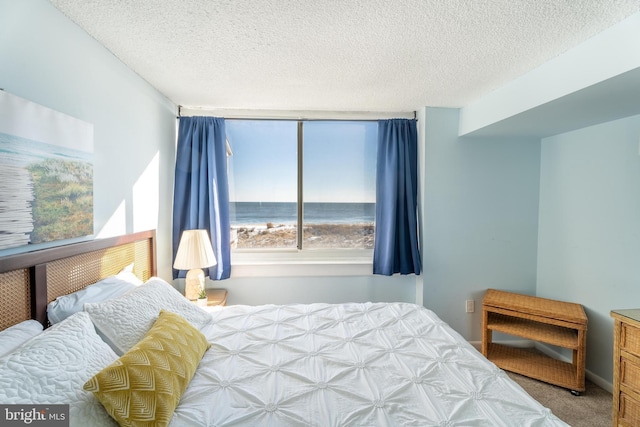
302,185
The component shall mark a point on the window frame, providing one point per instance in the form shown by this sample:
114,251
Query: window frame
292,262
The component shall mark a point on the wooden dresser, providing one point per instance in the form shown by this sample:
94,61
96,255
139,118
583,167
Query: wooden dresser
626,367
559,323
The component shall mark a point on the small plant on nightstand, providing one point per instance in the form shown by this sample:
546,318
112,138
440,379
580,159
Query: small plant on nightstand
202,297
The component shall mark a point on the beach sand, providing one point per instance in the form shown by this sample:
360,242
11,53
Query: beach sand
358,236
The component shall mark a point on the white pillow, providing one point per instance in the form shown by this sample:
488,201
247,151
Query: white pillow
128,268
53,367
126,319
129,276
16,335
110,287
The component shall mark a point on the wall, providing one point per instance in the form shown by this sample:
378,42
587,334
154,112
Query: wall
480,210
589,229
327,289
47,59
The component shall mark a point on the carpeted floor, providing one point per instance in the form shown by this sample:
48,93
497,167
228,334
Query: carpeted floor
591,409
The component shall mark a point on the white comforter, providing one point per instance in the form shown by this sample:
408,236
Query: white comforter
348,365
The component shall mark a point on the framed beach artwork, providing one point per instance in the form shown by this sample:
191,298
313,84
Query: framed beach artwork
46,174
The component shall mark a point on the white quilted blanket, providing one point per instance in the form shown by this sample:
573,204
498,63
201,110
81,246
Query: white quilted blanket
348,365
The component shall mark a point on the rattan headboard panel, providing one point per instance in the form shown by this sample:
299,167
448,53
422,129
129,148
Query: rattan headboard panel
15,297
74,273
29,281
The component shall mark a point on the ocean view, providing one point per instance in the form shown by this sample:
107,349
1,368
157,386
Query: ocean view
17,151
326,225
260,213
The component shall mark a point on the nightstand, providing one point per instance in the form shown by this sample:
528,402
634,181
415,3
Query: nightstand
558,323
216,297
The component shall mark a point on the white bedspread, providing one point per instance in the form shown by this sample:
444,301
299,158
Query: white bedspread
348,365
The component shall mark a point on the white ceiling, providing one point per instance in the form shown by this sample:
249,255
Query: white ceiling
338,55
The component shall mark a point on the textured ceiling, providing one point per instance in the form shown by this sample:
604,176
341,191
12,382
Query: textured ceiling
338,55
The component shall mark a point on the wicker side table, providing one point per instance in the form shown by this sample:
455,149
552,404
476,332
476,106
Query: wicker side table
216,297
558,323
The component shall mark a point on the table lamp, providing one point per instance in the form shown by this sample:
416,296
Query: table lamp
194,254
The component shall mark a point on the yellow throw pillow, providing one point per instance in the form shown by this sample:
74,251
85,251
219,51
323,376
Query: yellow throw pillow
144,386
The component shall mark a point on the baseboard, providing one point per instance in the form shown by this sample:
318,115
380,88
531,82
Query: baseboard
596,379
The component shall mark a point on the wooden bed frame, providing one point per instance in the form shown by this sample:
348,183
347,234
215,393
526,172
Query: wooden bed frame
31,280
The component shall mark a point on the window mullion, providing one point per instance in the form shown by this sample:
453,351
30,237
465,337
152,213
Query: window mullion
300,180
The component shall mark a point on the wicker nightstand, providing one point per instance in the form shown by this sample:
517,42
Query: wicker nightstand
558,323
216,297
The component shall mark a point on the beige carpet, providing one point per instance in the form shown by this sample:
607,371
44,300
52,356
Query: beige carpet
591,409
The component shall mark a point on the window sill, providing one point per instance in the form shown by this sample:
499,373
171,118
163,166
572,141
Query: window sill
302,263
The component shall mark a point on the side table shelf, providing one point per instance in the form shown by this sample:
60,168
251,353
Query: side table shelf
552,322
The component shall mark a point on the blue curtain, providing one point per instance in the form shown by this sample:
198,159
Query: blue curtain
396,241
201,191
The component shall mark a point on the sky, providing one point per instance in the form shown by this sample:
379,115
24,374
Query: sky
339,160
29,120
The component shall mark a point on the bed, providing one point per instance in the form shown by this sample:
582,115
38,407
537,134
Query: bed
359,364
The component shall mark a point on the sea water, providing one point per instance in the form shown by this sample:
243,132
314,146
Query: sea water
260,213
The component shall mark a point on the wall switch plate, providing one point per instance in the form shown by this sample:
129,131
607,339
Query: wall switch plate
470,306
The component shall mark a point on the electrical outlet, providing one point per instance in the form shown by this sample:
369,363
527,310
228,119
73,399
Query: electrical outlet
470,306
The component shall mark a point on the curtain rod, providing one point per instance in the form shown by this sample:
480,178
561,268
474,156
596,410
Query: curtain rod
293,115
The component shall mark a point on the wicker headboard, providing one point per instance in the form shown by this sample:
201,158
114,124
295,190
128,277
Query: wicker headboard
29,281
